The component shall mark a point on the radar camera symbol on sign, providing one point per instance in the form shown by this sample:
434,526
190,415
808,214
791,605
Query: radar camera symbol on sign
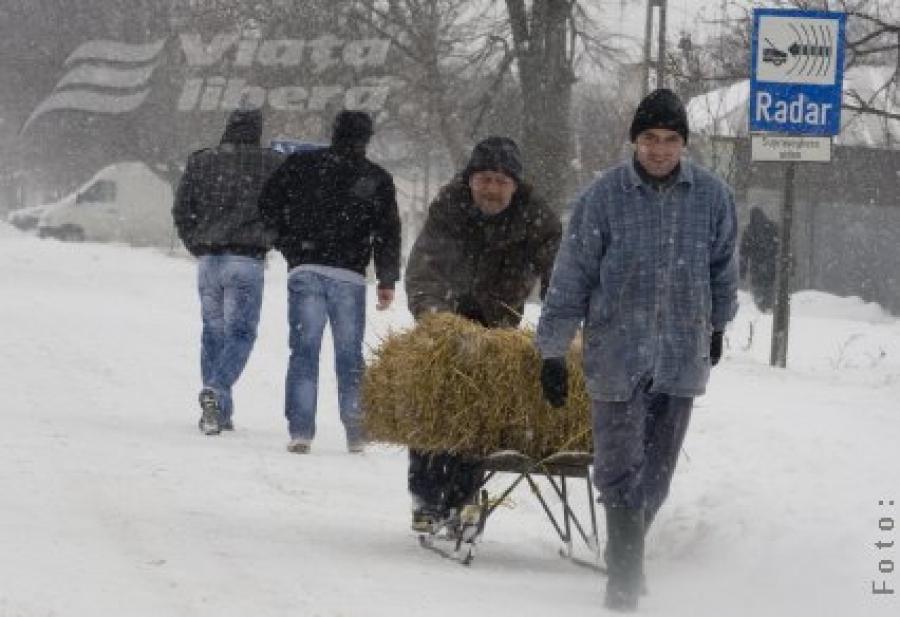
799,51
774,55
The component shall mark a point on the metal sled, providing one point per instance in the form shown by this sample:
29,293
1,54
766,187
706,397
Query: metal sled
557,469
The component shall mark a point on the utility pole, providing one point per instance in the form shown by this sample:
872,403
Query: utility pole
781,315
661,46
648,32
660,60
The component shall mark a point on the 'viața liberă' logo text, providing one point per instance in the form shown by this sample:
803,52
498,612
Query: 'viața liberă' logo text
111,77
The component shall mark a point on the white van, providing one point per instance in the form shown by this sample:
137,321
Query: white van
125,202
27,218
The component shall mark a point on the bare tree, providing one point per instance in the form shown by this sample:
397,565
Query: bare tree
873,37
463,57
545,55
451,62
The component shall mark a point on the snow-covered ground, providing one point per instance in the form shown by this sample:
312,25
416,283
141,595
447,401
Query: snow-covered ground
112,503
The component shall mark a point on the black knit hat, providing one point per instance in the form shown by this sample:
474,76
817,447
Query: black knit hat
496,153
244,126
661,109
352,127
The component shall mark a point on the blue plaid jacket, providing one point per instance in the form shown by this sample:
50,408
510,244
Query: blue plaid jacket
650,274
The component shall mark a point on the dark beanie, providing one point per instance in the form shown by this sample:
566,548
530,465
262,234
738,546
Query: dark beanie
661,109
496,153
352,127
244,126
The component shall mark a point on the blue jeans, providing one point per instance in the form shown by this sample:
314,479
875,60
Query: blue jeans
313,301
231,290
636,448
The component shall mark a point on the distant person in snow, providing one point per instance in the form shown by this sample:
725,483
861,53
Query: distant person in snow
335,211
647,267
759,257
217,217
487,241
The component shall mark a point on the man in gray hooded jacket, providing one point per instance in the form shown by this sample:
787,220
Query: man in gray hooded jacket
648,267
217,216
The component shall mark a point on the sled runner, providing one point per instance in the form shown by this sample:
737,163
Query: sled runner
457,535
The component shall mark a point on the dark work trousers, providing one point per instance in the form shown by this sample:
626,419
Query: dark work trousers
442,479
636,447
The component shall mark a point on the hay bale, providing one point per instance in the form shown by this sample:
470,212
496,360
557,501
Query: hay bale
452,385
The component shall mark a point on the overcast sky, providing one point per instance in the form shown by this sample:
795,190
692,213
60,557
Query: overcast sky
699,18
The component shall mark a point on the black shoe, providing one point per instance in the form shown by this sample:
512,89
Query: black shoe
210,418
226,425
426,517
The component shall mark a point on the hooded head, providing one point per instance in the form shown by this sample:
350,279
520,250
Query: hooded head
352,128
244,126
500,154
494,174
661,109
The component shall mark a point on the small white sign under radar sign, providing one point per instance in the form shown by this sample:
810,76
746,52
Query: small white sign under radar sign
797,51
790,148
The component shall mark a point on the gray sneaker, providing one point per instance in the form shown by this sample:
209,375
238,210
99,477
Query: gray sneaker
210,417
357,446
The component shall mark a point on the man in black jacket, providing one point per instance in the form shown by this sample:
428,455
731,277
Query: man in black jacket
334,211
217,216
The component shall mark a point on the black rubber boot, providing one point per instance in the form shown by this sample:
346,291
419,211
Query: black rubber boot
624,557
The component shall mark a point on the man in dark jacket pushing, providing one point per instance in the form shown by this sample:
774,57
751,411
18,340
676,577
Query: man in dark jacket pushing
217,217
486,243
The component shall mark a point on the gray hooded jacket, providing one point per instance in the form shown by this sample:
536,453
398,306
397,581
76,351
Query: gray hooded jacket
216,205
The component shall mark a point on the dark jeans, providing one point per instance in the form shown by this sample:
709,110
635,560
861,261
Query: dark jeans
442,479
636,448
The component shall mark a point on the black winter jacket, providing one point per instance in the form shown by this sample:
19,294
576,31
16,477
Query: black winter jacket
334,207
216,205
493,262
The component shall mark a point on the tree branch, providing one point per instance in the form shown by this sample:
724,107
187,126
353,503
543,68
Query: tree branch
866,109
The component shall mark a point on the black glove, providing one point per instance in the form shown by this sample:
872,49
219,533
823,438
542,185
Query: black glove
555,381
715,347
468,307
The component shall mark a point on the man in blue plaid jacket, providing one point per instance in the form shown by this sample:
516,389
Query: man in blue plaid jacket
648,267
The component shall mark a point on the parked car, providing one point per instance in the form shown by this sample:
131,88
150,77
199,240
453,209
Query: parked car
126,202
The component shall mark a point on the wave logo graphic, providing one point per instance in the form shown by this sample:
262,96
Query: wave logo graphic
103,77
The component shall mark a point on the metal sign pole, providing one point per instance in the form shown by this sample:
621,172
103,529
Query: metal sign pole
796,69
781,314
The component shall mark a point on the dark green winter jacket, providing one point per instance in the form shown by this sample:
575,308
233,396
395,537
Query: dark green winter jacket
496,261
